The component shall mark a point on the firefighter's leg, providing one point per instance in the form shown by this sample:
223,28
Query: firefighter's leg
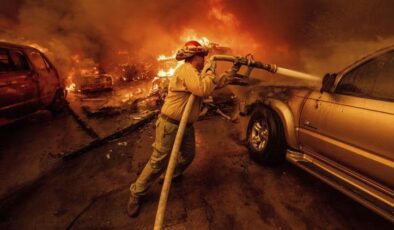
187,151
165,137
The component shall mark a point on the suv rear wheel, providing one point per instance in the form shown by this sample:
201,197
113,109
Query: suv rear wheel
265,140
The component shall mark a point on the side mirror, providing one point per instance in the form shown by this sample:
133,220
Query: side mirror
328,82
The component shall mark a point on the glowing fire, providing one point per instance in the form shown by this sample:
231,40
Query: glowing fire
170,72
163,73
165,58
191,35
71,87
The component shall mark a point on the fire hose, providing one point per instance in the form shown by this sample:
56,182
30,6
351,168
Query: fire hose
246,61
251,64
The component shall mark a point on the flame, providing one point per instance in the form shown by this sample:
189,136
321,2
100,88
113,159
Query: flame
163,73
191,36
163,57
170,72
71,87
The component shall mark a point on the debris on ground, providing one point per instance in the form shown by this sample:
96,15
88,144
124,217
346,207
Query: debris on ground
219,105
103,111
115,107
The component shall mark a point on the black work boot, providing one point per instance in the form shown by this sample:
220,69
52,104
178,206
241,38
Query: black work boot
133,205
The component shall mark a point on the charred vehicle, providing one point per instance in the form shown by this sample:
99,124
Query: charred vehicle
160,87
94,83
133,72
28,82
343,134
128,72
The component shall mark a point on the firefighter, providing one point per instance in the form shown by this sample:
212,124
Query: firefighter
187,80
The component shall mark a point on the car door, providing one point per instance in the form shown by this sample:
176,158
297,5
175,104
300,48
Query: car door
353,127
48,81
18,90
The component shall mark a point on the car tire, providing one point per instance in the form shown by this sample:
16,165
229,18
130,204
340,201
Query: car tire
59,102
265,137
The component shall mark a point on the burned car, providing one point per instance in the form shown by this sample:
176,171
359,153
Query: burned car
133,72
160,87
28,82
343,134
93,83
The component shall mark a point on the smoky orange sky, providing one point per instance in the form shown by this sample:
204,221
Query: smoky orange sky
312,35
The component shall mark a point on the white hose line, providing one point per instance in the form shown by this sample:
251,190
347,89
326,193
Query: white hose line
171,165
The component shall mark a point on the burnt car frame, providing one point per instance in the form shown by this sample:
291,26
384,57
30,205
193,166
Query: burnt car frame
28,82
342,134
94,83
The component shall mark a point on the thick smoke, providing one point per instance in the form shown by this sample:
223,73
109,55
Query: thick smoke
311,35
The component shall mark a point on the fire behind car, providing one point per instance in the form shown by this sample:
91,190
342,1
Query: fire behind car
93,83
342,134
28,82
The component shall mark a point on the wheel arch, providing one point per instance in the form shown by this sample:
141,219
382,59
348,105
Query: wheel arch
283,111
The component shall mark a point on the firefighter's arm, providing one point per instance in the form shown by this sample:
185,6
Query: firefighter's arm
200,86
228,76
225,78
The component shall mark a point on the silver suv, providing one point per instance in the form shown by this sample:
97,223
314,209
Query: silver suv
343,134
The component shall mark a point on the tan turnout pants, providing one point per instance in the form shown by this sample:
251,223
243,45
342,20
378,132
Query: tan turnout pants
157,164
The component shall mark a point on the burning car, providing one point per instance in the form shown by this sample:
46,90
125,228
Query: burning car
160,87
128,72
343,134
93,83
28,82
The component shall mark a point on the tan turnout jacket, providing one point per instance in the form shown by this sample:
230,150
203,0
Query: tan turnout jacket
187,80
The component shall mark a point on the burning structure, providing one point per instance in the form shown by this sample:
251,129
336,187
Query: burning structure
298,34
123,38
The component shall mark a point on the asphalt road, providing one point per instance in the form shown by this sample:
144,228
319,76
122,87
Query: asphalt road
222,189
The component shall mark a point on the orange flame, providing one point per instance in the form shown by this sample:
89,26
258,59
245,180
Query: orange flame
163,57
71,87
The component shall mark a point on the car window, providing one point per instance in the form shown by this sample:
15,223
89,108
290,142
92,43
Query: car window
359,81
37,60
5,61
384,85
47,62
19,61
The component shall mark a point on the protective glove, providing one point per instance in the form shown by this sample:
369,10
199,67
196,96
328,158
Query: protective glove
210,66
225,78
236,66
